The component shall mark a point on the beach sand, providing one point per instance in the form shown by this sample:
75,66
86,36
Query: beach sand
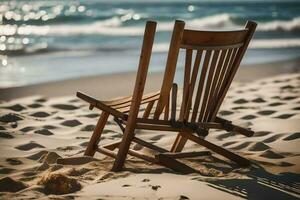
44,130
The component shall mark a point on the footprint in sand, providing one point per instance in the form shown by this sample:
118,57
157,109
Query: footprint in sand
14,161
226,112
89,128
290,98
261,133
27,129
241,146
273,138
287,87
157,137
5,135
285,116
259,146
71,123
40,114
8,184
225,135
276,104
93,115
43,132
16,107
10,118
247,117
35,105
293,136
29,146
258,100
5,170
266,112
64,107
240,101
271,155
49,127
296,108
41,100
228,143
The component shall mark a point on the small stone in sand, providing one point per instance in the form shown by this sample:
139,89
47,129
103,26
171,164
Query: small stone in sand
59,184
155,187
8,184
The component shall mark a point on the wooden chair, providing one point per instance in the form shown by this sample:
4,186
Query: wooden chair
217,58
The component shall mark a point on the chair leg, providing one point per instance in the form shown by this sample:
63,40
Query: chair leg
124,147
92,145
179,143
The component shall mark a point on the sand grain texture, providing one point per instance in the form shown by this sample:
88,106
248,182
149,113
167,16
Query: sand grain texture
42,141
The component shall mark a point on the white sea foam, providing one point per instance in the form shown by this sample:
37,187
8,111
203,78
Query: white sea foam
114,26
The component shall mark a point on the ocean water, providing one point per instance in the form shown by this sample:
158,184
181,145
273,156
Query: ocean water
44,41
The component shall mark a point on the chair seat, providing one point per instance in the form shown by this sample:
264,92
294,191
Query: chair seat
118,106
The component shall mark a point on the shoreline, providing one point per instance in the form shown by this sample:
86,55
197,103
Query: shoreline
125,82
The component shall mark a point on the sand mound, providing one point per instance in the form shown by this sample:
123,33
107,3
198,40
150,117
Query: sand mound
50,158
29,146
10,118
43,132
59,184
8,184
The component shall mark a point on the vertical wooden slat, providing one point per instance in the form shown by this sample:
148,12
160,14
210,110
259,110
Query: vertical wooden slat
215,81
137,95
186,82
193,82
223,71
166,113
170,67
148,109
251,26
208,85
201,85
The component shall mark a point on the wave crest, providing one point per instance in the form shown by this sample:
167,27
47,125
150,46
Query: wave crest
113,26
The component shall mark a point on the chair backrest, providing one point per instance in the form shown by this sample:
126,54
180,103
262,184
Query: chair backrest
207,77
